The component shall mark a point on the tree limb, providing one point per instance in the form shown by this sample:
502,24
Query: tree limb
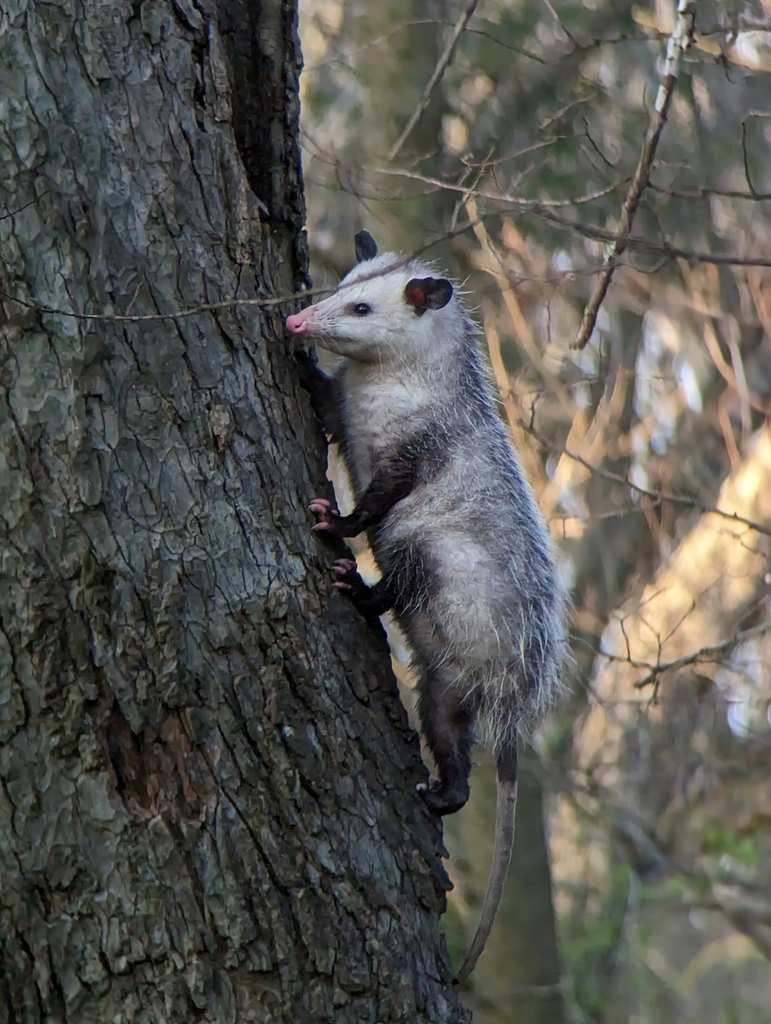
678,42
439,70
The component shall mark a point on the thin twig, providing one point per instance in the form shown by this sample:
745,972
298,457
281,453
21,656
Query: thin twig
179,314
745,156
346,55
728,32
664,248
439,70
501,197
559,21
677,43
659,496
543,208
708,193
704,654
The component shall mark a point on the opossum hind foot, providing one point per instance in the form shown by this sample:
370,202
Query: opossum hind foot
443,799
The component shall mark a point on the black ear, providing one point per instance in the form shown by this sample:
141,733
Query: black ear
424,293
366,247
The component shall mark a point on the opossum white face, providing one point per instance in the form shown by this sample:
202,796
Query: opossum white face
387,309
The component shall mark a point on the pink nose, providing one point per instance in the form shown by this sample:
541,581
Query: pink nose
298,322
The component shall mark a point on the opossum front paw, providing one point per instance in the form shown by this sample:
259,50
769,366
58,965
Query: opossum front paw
327,515
307,364
369,601
348,579
350,583
443,799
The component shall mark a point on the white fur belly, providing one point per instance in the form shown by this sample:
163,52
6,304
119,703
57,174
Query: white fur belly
467,603
376,413
467,599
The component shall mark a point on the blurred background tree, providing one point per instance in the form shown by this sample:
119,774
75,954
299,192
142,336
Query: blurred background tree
641,412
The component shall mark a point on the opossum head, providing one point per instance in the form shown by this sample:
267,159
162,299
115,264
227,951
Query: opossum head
387,309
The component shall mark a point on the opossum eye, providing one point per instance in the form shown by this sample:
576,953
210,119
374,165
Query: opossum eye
361,309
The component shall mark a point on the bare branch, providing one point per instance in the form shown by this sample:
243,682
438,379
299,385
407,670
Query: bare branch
439,70
704,654
208,307
745,155
657,496
543,208
678,42
664,248
502,197
346,55
708,193
727,32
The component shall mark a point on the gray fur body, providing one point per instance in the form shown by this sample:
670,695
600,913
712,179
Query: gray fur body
466,553
466,559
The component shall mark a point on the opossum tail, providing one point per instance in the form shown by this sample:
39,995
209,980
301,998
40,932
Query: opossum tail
505,813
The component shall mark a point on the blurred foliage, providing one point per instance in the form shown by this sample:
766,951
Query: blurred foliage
655,769
724,842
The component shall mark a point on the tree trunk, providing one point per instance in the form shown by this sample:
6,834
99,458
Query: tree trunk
207,781
518,979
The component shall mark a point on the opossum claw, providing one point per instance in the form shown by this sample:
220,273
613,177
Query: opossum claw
322,507
371,601
443,799
326,513
346,569
350,581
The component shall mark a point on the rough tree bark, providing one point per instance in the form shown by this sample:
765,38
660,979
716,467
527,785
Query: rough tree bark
207,806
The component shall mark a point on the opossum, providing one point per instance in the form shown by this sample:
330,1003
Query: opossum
466,559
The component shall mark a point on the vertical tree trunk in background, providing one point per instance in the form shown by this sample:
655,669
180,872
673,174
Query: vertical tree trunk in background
392,84
528,956
697,600
391,51
518,978
207,806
